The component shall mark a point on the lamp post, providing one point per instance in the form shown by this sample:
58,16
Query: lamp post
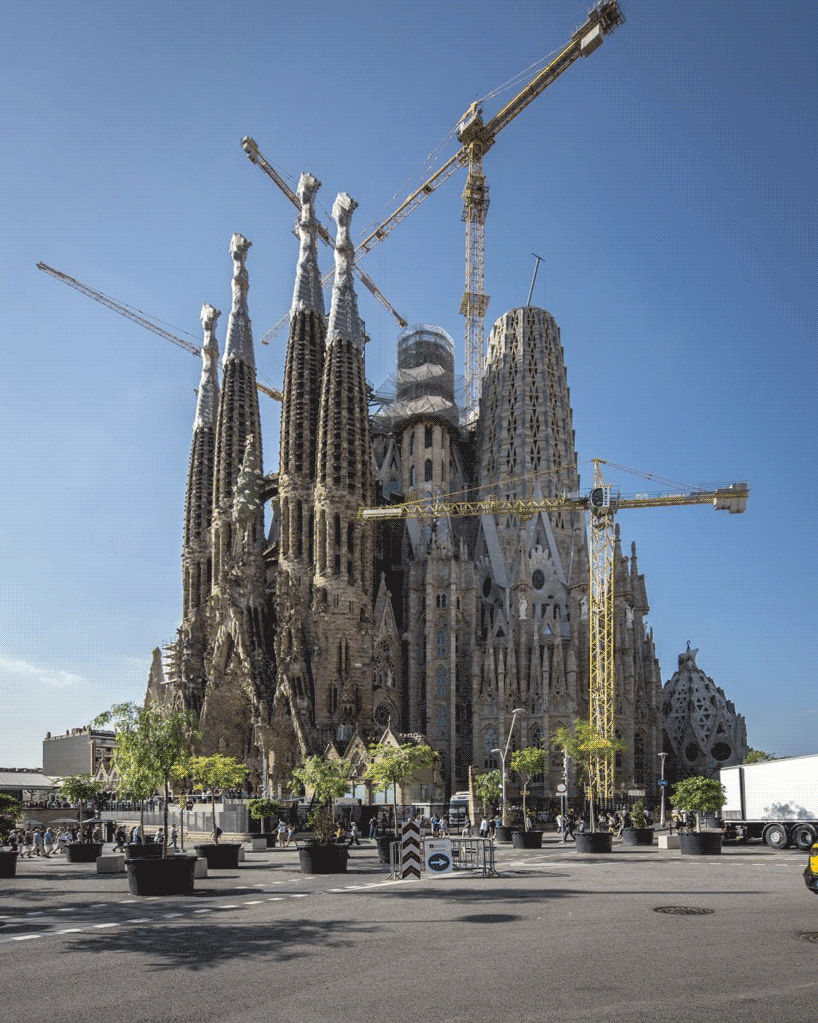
503,755
662,758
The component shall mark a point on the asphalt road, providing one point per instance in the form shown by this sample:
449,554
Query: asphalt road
557,936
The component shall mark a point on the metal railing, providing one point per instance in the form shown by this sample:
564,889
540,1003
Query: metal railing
467,854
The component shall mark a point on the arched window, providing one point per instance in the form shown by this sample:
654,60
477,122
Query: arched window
490,742
412,443
411,475
440,600
639,758
442,639
441,683
428,436
427,470
441,722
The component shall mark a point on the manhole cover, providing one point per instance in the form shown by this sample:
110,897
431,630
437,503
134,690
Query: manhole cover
683,910
809,936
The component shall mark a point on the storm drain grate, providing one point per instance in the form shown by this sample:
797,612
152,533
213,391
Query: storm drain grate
809,936
683,910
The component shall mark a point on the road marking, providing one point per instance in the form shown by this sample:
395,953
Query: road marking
230,906
201,911
276,898
69,930
38,913
137,920
24,937
100,926
254,902
303,895
170,916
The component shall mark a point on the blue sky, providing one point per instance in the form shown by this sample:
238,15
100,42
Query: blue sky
667,181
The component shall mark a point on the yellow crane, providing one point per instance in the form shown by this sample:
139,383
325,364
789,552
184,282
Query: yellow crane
141,319
602,503
476,138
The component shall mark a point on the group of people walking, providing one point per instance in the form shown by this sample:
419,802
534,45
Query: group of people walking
46,842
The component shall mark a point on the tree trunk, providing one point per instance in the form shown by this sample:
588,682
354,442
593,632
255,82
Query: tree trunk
213,814
165,821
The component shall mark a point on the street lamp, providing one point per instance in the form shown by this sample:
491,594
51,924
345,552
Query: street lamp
662,758
503,755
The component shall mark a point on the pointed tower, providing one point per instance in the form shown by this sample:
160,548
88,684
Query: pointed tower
303,370
196,557
238,416
343,544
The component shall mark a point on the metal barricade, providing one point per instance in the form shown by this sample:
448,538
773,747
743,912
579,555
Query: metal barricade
467,854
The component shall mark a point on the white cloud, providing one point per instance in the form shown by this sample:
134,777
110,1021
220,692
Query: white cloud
22,672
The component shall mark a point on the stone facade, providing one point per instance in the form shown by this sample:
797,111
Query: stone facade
703,732
330,630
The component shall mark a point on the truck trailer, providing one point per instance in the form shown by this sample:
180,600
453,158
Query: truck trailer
775,801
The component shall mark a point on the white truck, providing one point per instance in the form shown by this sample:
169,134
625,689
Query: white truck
776,801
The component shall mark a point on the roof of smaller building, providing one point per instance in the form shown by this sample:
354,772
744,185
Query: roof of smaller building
24,778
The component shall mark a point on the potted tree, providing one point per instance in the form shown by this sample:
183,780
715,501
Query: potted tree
639,833
212,773
526,763
702,796
394,766
152,747
10,810
263,810
488,788
585,744
327,780
81,789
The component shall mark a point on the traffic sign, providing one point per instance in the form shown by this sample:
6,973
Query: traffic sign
663,783
439,856
561,788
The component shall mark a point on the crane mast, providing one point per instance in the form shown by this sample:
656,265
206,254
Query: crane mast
143,321
602,503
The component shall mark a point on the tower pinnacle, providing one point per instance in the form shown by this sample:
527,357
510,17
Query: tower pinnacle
343,318
308,294
239,344
207,404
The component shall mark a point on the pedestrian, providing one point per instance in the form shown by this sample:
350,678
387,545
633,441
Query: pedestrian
37,839
27,845
48,843
354,835
467,829
290,833
120,837
373,827
568,831
282,832
484,827
173,837
529,822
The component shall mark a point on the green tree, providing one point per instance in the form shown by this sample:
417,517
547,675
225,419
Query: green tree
328,780
395,765
757,756
79,789
263,809
216,772
527,762
10,811
153,745
585,745
488,787
699,795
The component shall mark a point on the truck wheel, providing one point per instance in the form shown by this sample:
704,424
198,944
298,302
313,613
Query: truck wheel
803,836
776,836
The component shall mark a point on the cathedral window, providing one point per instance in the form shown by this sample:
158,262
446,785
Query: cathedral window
411,476
299,529
442,683
639,759
427,436
442,640
441,722
440,600
490,742
412,443
427,470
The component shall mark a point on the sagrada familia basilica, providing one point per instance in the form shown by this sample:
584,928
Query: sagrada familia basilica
324,630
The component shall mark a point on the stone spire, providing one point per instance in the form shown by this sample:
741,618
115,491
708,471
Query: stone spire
308,295
199,495
344,554
238,416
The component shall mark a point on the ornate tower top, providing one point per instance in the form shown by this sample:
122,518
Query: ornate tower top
307,293
239,344
207,403
344,321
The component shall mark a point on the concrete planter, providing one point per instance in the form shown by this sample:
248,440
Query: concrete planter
527,839
144,850
323,859
258,844
705,843
224,856
8,863
172,876
637,836
84,852
594,841
384,844
504,834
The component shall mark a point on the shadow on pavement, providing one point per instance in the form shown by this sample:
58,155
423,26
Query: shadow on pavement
205,946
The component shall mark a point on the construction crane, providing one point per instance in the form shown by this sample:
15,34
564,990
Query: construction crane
143,321
602,503
255,156
476,138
